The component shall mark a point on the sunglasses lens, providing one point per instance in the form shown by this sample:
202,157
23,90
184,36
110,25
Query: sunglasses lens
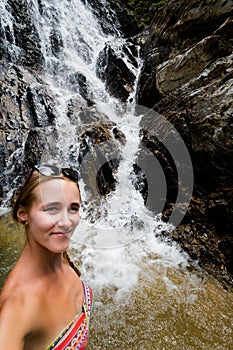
70,173
48,170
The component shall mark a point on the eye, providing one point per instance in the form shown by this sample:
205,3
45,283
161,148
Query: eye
74,209
52,209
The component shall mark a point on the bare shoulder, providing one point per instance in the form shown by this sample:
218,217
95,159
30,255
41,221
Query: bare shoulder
10,305
14,322
18,304
17,316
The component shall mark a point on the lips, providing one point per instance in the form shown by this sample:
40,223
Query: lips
61,234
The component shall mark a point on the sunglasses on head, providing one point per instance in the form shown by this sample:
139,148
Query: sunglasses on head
53,170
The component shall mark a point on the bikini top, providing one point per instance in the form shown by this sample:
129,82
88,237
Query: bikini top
75,334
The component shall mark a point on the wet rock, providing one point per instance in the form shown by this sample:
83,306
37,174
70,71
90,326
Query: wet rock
174,73
219,211
79,83
113,17
198,236
26,106
202,114
20,43
118,78
99,143
226,247
187,78
178,26
56,42
127,24
99,156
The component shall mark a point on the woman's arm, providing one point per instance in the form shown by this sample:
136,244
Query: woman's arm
13,324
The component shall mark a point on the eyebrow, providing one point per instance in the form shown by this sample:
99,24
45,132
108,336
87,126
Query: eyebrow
59,203
50,204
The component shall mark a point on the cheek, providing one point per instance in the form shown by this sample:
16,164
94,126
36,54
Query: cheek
43,220
76,219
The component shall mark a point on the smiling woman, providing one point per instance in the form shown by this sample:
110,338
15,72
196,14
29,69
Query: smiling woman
44,287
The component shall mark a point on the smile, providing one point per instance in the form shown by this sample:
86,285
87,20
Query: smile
61,234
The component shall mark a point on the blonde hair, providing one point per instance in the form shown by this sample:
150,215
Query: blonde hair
26,195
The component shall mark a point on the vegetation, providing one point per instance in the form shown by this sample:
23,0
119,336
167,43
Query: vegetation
142,10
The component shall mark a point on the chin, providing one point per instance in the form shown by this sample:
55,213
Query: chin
59,250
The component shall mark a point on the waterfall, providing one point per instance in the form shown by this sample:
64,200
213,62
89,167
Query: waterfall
72,42
69,49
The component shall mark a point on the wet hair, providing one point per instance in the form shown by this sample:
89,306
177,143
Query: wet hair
26,195
66,257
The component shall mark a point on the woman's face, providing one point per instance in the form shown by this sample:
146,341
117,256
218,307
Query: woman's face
54,214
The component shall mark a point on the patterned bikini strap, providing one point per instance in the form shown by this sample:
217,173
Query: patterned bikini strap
88,298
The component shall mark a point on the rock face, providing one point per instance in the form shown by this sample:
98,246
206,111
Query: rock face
187,77
22,124
22,38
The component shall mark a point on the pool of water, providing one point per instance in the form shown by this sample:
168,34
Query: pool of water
194,313
153,305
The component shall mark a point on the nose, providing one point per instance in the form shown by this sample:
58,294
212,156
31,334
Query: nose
64,220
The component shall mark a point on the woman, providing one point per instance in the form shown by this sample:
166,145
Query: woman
44,304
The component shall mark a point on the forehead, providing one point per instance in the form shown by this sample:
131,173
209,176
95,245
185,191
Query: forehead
57,190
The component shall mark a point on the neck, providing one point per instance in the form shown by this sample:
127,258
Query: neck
42,260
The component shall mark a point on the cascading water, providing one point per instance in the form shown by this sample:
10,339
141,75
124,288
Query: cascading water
146,297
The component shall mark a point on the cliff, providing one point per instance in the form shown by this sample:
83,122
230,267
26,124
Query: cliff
187,78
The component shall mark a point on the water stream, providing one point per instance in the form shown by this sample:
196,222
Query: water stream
148,294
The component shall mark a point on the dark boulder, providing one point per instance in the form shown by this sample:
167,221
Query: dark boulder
118,78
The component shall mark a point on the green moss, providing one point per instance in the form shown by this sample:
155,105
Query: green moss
207,2
142,10
11,243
